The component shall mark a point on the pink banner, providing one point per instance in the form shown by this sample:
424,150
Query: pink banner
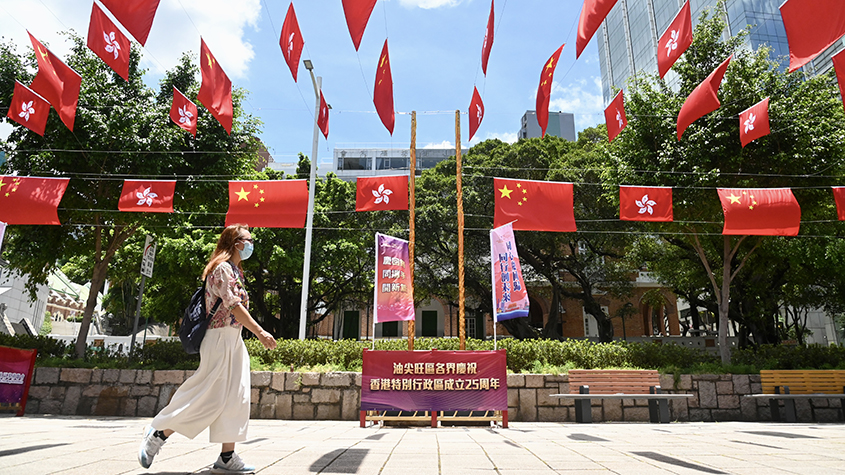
16,368
434,381
510,297
394,292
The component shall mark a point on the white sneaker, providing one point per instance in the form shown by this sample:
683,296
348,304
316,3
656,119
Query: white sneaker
150,447
235,465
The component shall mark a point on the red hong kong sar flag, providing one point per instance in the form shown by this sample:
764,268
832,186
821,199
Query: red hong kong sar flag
31,200
56,82
268,204
383,93
291,41
357,14
534,205
183,112
760,211
476,112
382,193
645,203
29,109
593,12
811,26
839,66
754,122
488,39
108,42
703,99
839,196
215,89
675,40
136,15
614,116
323,118
544,91
150,196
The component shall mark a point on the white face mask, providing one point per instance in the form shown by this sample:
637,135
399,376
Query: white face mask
246,251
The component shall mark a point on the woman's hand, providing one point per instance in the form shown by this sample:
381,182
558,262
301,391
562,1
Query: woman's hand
267,339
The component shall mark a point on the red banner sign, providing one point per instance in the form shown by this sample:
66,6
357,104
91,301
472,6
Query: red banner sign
434,381
16,369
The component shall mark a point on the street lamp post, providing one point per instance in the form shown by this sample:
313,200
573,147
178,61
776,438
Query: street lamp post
309,223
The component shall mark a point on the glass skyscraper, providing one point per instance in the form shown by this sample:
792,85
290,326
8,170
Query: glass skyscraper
627,39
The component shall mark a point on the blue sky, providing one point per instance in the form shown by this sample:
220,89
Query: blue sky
435,54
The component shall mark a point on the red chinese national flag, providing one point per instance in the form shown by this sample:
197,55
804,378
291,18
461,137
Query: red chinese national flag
383,93
108,42
614,116
31,200
645,203
839,196
56,82
534,205
183,112
488,39
268,204
675,40
216,89
291,41
323,118
811,26
476,112
760,211
382,193
357,14
29,109
544,91
839,67
135,15
592,14
150,196
703,99
754,122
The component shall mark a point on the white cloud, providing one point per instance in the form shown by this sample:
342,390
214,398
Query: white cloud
220,22
443,144
429,3
509,137
583,99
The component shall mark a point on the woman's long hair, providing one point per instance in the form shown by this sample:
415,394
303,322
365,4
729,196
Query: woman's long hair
225,247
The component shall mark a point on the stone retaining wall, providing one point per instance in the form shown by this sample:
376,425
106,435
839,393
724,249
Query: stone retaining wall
335,396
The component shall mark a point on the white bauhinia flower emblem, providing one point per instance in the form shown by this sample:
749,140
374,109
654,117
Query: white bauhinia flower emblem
479,114
749,122
382,194
646,205
26,110
146,197
619,118
185,116
672,44
290,44
112,46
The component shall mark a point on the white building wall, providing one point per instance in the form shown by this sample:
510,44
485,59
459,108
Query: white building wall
17,300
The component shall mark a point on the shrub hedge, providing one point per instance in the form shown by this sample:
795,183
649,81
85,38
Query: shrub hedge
522,355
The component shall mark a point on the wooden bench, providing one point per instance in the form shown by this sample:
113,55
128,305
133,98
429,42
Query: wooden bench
588,384
789,385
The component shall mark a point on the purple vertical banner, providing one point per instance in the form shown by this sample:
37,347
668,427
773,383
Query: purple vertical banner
394,293
510,297
16,369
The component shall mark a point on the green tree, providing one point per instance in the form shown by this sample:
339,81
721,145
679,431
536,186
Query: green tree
121,131
801,152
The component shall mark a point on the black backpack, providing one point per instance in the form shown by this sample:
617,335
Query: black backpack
195,321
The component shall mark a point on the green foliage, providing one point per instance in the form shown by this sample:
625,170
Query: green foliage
47,347
792,357
47,325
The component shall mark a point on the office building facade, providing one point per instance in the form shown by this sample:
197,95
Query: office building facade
628,38
561,124
350,163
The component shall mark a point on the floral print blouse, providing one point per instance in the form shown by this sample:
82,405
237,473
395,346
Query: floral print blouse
226,282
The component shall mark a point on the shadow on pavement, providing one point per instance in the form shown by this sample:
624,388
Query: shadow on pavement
676,462
23,450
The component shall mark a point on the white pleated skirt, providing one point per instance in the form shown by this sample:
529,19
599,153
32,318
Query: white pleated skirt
217,395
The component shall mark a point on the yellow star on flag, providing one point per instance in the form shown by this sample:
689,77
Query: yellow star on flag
242,195
506,193
734,199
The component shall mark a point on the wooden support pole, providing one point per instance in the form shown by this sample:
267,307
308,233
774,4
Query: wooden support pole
412,324
461,307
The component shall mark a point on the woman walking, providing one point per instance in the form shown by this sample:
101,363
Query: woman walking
217,395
